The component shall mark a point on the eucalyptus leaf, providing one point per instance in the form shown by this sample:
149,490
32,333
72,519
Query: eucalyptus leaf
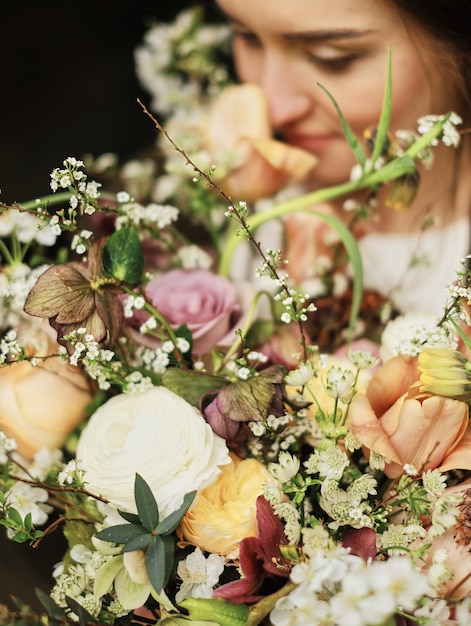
147,507
123,257
170,523
132,518
122,533
222,612
190,385
138,543
159,560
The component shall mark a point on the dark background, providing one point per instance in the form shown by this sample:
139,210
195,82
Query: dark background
67,87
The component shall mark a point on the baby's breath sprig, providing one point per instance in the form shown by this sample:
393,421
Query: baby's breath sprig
270,259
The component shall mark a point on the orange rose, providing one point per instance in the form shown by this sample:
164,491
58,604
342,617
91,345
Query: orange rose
238,131
408,427
225,512
41,405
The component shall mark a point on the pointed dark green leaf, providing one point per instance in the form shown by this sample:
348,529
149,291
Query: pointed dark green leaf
123,257
190,385
130,517
159,560
138,543
54,611
122,533
350,136
146,504
85,618
169,524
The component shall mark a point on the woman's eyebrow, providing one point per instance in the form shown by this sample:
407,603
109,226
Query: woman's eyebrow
320,35
323,35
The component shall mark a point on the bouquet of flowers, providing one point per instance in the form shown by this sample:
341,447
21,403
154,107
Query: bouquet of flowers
209,459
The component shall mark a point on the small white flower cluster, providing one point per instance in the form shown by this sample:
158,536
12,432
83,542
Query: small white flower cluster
86,348
335,587
26,227
84,193
28,499
72,474
78,581
340,384
81,241
193,257
16,281
146,217
7,445
10,347
293,304
184,47
199,575
450,136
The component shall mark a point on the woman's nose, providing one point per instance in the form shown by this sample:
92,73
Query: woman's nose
287,100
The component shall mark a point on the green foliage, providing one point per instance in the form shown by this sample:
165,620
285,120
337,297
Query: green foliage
123,257
191,385
222,612
146,532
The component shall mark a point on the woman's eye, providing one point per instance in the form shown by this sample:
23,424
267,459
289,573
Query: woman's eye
333,64
247,37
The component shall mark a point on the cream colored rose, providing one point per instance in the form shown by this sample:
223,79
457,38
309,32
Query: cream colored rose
225,513
156,434
41,405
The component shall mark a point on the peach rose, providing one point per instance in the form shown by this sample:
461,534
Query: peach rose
408,427
41,405
238,132
225,512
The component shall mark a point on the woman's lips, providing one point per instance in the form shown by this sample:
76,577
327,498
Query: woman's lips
311,143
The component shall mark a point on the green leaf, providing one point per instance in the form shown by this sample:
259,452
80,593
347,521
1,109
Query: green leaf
169,524
123,257
350,136
147,507
132,518
190,385
159,560
222,612
122,533
138,543
54,611
384,119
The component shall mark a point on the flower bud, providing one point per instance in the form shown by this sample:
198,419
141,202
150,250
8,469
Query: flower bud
445,372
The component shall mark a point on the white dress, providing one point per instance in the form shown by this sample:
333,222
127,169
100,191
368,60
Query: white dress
415,269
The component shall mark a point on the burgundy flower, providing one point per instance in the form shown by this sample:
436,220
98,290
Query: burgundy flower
260,559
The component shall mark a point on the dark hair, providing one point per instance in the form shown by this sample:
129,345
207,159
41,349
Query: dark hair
449,22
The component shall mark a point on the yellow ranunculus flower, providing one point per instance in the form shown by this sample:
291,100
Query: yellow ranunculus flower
225,512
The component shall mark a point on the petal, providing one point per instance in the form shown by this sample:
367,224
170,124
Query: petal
391,381
366,427
460,457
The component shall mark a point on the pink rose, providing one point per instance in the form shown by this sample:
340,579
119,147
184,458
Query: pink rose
206,302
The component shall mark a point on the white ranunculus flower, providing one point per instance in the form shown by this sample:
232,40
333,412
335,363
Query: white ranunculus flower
156,434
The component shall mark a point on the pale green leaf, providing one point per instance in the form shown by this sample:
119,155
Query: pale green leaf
106,575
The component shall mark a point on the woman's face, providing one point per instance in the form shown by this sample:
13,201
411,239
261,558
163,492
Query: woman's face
289,46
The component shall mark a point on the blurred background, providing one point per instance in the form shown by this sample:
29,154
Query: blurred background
68,87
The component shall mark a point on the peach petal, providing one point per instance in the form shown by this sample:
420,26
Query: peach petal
391,381
460,457
366,427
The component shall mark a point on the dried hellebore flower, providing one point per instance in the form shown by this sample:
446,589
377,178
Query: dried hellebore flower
76,295
245,401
